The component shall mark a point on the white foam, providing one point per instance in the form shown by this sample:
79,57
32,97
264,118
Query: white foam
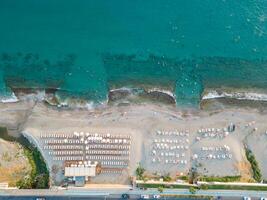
121,89
38,95
9,99
241,95
212,95
78,103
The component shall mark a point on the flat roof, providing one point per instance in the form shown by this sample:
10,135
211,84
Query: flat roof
80,171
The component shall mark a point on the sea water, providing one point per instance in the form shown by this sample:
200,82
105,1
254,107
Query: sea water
86,48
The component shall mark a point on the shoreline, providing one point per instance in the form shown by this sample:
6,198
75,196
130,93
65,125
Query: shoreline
138,94
211,98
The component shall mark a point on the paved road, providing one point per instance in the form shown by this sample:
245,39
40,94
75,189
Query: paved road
97,198
225,193
96,194
50,198
88,198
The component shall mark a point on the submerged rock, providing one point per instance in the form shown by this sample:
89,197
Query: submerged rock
118,94
139,95
161,97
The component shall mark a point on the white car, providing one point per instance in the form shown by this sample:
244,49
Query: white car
156,196
246,198
263,198
144,196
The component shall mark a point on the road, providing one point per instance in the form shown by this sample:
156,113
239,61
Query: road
97,198
79,193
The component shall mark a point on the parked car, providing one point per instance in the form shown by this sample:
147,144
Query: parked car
246,198
263,198
144,196
125,196
156,196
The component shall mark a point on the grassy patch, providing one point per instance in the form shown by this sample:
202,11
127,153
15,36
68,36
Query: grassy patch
39,176
236,187
211,187
185,178
219,179
254,165
148,185
167,178
192,190
6,157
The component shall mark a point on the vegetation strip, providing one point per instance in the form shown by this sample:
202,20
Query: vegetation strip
204,187
149,185
219,179
236,187
39,176
198,197
254,165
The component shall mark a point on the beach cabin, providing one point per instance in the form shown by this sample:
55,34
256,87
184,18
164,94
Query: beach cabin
80,171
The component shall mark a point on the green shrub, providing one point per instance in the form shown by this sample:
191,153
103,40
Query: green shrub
237,187
149,185
204,187
39,176
160,189
254,165
140,172
219,179
192,190
185,178
167,178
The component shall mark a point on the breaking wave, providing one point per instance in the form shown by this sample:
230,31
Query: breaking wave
51,98
235,94
9,98
75,103
128,94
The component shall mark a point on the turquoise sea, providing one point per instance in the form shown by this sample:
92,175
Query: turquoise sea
85,48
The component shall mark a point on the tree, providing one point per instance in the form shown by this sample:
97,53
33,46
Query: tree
140,172
42,181
167,178
192,190
204,187
254,165
193,175
160,189
25,183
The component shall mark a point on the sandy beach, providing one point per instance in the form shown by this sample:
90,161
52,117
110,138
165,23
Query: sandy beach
149,125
